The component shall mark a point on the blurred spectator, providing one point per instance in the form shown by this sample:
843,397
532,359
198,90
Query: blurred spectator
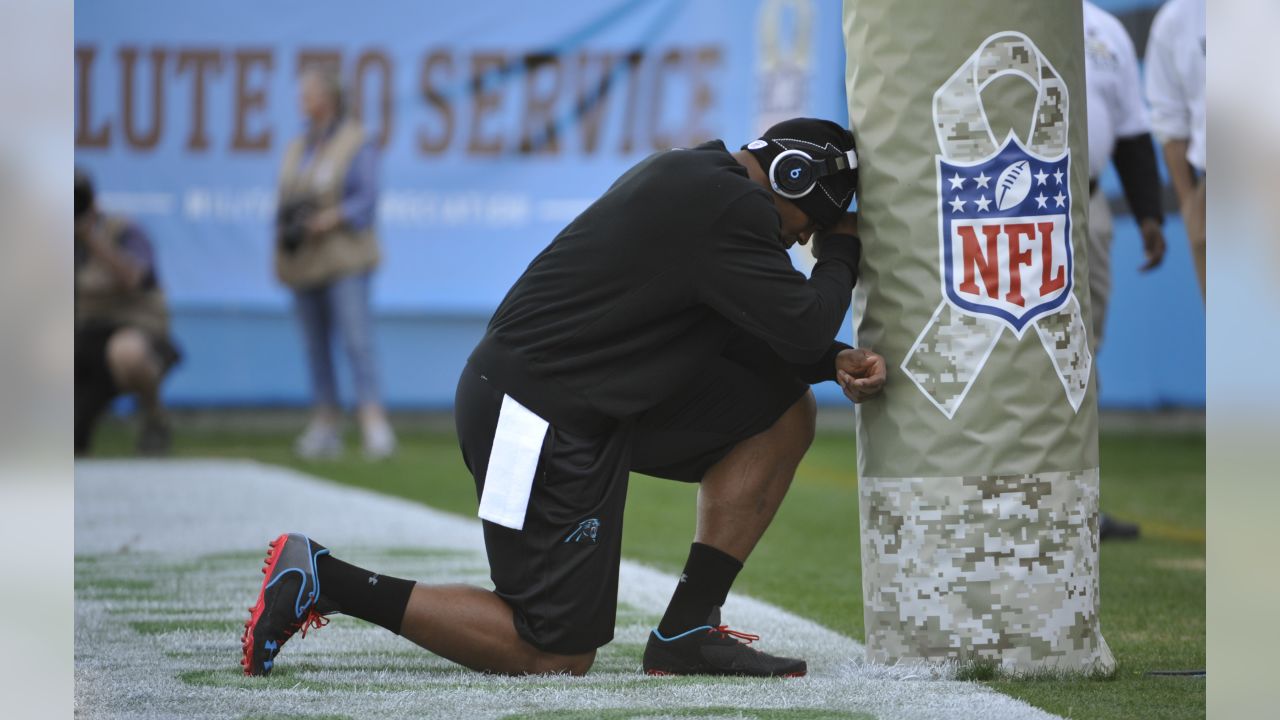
1175,90
326,252
121,323
1118,129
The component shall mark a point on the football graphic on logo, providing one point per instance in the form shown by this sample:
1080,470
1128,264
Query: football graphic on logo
1013,185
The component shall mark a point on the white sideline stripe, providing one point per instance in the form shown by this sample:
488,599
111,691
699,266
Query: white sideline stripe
185,508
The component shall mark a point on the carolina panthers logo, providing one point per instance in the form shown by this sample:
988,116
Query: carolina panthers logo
586,531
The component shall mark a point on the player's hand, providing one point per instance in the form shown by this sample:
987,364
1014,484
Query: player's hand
848,225
861,373
1153,245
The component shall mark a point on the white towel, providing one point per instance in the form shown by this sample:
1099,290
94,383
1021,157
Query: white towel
517,444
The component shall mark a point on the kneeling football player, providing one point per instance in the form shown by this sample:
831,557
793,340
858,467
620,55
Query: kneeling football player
665,331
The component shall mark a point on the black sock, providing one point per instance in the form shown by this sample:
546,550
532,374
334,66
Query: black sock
380,599
704,585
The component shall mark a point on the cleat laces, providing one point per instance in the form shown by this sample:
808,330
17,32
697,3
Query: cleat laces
724,630
313,620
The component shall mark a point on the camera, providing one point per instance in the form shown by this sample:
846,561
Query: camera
291,222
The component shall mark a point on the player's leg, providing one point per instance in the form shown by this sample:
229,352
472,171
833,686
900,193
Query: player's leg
304,584
737,499
476,628
468,625
740,434
556,579
739,495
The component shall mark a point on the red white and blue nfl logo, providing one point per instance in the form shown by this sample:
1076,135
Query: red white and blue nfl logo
1006,234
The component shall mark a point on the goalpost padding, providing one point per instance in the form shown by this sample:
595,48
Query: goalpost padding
979,464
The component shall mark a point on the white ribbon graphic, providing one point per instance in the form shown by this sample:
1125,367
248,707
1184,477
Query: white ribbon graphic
955,345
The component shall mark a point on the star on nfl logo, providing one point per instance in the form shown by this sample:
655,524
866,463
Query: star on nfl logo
1006,234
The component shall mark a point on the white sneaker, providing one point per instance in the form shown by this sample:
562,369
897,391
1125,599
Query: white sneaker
320,441
379,440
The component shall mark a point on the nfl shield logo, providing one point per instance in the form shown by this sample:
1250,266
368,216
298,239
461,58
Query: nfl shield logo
1006,234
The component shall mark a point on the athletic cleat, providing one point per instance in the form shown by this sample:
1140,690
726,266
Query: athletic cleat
288,601
715,650
1110,528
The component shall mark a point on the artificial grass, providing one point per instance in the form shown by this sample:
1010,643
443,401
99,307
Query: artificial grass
1153,589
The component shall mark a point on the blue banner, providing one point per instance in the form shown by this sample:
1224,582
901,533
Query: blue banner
498,121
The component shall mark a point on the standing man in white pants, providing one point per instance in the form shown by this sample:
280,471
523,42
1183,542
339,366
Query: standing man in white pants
1175,89
1119,131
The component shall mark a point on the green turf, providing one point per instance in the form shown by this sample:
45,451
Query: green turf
1153,589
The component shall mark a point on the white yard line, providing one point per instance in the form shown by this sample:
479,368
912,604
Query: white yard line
137,518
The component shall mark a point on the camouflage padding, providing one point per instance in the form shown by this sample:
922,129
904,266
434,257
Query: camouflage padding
979,462
996,568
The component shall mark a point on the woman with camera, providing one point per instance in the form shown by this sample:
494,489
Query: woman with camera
326,252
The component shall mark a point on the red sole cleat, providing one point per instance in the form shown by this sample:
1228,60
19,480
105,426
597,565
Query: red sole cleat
246,639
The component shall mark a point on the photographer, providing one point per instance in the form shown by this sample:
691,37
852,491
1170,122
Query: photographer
121,323
326,252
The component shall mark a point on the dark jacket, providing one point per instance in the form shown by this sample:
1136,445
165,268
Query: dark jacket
652,280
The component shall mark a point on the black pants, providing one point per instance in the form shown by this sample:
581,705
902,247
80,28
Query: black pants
560,572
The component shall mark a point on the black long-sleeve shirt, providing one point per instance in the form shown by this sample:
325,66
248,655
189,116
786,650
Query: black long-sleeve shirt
1135,161
650,282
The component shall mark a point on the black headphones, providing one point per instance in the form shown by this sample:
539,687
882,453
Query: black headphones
795,173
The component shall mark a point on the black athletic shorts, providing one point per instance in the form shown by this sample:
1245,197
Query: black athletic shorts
560,573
